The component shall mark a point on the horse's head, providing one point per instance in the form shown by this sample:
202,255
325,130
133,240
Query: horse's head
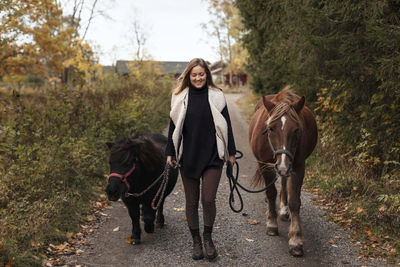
129,159
283,129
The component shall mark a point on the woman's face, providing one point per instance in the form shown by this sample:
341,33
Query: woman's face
198,76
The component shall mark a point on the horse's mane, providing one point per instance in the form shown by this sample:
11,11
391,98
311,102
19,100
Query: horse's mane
145,149
283,105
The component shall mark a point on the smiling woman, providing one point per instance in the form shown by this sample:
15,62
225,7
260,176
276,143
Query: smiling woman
200,140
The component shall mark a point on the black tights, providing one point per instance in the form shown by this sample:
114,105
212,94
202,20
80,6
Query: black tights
210,182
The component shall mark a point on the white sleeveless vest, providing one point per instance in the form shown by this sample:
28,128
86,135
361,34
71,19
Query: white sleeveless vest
217,102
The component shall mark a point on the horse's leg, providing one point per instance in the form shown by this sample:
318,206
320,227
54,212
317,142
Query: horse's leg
149,216
271,192
160,216
295,232
284,209
134,213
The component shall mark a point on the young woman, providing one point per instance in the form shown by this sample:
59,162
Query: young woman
200,140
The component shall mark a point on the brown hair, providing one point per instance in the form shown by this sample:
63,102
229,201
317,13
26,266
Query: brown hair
184,79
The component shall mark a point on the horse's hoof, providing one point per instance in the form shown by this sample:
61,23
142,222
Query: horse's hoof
135,241
284,217
296,251
272,231
149,228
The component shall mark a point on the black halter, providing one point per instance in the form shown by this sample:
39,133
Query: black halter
279,151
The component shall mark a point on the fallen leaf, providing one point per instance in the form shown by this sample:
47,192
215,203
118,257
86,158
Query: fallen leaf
249,240
332,242
90,218
116,229
10,263
367,229
179,209
60,247
128,240
79,251
253,222
244,176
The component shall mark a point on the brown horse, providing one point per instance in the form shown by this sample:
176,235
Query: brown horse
282,134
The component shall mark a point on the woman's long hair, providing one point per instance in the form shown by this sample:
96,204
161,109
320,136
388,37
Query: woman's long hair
184,79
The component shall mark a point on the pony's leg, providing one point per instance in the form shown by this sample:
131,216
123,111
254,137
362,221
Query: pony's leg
271,192
160,216
149,216
295,231
134,213
284,209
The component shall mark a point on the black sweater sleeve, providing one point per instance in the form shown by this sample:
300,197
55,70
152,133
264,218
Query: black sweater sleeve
169,149
231,140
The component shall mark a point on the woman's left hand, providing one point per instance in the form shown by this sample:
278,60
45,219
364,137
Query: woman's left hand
232,160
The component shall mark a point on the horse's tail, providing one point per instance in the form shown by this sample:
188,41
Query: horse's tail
258,178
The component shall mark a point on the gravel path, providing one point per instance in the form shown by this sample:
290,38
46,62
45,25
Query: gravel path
238,242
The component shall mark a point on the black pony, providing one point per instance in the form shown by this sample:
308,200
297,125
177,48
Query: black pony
135,163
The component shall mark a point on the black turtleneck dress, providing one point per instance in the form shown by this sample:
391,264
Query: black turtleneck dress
199,142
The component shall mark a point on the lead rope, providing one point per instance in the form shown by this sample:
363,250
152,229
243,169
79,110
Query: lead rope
161,189
234,183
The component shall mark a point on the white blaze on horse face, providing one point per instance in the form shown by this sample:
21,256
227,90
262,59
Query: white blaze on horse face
283,120
283,166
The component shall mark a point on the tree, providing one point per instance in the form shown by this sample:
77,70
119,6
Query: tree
37,40
226,26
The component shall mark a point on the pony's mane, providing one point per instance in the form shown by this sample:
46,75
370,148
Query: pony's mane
283,105
145,149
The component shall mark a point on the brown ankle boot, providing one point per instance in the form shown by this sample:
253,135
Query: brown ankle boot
209,247
197,253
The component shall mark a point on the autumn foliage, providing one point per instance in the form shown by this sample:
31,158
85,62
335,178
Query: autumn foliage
37,41
344,57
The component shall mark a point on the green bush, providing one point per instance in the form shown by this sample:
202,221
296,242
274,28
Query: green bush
53,155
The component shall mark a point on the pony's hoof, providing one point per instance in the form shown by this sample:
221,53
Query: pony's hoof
284,217
149,228
135,241
272,231
296,251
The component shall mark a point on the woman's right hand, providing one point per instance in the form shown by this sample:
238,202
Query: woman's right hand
169,161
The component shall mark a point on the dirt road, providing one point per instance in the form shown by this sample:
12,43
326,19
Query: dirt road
238,242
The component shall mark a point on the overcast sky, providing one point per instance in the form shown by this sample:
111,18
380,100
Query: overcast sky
173,30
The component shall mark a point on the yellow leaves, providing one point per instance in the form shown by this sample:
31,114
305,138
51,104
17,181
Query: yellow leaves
367,230
128,240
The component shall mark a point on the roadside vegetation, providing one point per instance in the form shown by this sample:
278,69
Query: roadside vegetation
53,157
344,58
58,108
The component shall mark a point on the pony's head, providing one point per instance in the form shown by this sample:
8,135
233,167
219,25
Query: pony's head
284,129
130,159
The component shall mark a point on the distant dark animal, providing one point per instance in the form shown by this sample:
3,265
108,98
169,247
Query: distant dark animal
282,134
135,163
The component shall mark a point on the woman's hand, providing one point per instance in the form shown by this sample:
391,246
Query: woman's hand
232,160
169,161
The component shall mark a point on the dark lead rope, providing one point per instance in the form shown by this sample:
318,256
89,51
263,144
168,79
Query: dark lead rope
234,183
